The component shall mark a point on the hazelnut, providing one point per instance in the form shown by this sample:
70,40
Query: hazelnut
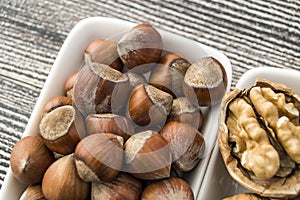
168,189
149,107
98,157
61,181
55,102
123,186
69,84
57,126
33,192
109,123
141,45
100,89
186,142
135,79
205,82
104,51
168,75
29,160
147,156
183,111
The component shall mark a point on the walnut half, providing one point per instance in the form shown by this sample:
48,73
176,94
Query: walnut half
259,138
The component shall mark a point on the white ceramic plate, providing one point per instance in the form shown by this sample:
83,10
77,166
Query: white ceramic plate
217,183
69,60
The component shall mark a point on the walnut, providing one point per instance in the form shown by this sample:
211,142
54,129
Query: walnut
248,196
256,152
259,138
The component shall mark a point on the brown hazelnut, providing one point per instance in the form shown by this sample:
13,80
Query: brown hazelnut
104,51
57,126
69,84
55,102
168,189
183,111
100,89
147,156
123,186
149,106
186,142
109,123
141,45
61,181
135,79
29,160
168,75
205,82
98,157
33,192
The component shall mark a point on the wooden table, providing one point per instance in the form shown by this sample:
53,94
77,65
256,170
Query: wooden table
251,33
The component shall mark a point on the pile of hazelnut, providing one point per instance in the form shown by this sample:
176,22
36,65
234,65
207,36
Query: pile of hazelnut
129,123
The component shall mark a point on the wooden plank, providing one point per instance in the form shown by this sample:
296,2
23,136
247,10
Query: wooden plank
17,102
25,58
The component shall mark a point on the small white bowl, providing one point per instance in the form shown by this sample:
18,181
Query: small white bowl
217,183
69,60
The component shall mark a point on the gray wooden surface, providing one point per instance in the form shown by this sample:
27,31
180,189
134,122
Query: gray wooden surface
251,33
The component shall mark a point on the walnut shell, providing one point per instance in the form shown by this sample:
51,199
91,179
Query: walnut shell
247,196
251,141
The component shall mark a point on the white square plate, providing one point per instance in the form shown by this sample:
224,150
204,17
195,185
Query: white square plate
69,60
217,183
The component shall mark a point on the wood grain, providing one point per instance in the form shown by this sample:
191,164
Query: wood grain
251,33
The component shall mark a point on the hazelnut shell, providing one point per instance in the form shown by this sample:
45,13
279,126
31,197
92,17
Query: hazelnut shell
29,160
168,189
123,186
149,107
205,82
98,157
109,123
61,125
55,102
168,75
61,181
104,51
186,142
33,192
100,89
183,111
147,156
69,84
141,45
